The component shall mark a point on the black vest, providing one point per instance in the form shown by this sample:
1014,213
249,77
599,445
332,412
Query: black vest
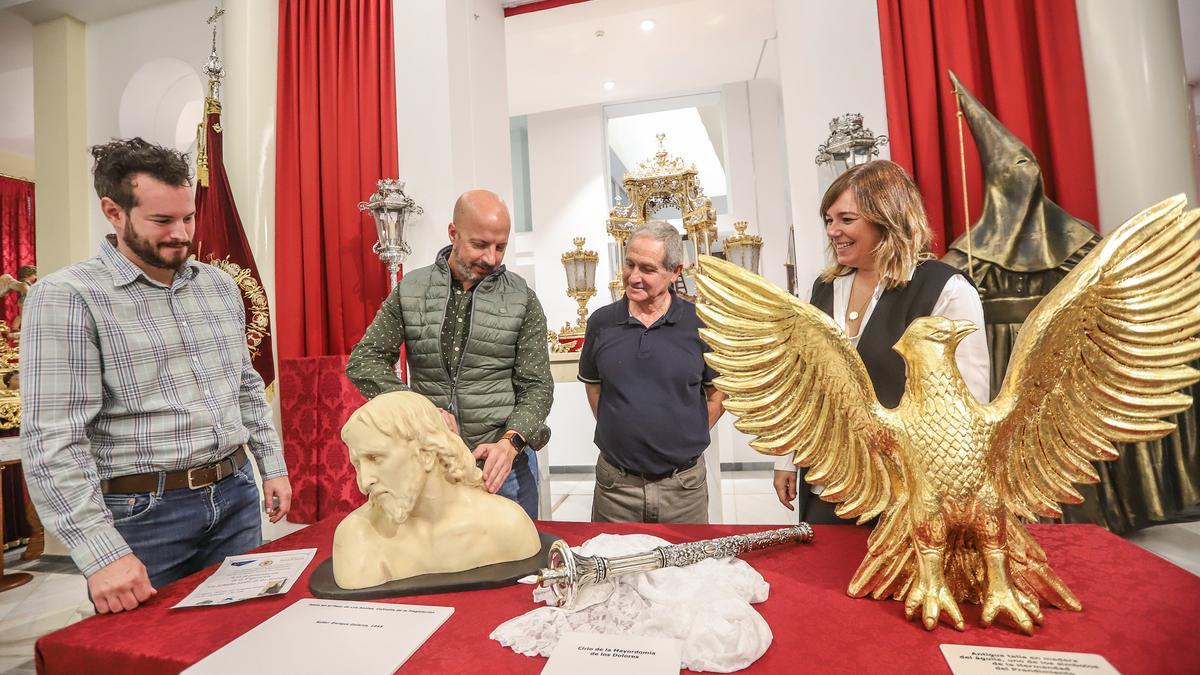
896,309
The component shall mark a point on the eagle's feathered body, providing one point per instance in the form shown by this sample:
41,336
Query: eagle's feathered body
1099,360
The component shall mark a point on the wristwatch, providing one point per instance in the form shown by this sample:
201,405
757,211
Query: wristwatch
517,440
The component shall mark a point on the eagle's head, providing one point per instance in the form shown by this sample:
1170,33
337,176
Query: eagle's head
930,339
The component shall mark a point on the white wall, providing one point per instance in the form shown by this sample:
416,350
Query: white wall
16,105
1137,103
568,199
822,77
143,79
757,168
451,110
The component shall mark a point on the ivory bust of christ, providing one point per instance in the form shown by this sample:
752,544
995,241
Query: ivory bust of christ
427,509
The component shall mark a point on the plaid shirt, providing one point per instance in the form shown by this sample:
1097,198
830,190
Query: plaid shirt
122,375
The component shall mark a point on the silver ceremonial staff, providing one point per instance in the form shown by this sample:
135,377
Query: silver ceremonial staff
569,572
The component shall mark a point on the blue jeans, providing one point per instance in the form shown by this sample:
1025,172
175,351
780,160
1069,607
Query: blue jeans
521,484
177,532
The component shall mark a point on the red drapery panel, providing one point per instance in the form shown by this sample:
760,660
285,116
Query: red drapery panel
335,137
16,233
1022,59
220,240
315,400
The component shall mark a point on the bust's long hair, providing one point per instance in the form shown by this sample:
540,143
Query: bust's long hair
410,418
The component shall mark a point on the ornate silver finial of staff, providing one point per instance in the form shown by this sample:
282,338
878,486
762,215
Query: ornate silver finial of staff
214,69
569,572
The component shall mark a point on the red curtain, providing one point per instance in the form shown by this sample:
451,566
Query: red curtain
335,137
16,233
1022,59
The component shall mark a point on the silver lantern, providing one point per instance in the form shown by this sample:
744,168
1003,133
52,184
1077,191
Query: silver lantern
849,144
390,208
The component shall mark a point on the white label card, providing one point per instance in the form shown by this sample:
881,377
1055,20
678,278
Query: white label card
976,660
596,654
328,636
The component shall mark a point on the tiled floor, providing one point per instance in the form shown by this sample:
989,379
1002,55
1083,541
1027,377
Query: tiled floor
57,596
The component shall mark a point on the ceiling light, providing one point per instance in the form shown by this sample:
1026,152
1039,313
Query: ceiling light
647,25
609,84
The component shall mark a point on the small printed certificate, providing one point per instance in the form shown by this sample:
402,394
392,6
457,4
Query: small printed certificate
974,660
254,575
328,636
596,654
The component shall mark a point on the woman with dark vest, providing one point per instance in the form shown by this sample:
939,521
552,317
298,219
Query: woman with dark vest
883,276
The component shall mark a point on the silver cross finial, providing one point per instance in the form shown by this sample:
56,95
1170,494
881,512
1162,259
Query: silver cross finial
218,12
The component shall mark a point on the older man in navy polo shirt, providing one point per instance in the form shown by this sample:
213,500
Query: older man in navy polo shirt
650,390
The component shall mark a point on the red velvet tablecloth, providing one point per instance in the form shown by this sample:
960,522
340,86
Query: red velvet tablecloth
1140,612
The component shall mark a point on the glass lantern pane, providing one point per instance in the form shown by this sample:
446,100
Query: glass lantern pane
589,274
569,268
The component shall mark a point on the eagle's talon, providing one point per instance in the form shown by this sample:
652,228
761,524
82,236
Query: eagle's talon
933,598
1016,605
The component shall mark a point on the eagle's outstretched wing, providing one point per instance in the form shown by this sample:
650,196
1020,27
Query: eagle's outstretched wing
798,384
1100,360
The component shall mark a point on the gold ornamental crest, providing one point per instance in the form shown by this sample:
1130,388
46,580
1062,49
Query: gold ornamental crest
258,320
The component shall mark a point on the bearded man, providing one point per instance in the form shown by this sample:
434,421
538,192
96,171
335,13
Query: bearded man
475,337
427,510
140,402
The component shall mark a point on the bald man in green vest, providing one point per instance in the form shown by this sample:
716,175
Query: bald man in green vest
475,339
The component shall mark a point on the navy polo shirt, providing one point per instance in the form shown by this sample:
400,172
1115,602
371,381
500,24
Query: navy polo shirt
652,416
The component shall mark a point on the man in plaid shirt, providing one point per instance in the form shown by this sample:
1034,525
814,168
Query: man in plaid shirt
139,400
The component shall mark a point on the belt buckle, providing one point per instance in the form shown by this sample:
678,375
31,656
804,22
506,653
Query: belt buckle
192,485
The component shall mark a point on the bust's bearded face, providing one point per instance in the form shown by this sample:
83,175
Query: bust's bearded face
390,472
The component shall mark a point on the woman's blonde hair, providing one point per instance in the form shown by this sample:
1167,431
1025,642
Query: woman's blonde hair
888,198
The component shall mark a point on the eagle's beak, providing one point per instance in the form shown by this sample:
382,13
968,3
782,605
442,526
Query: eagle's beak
963,329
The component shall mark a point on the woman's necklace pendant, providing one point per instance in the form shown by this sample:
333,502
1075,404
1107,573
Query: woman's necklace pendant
853,316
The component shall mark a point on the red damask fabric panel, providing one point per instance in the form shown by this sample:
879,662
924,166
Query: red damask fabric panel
1023,60
315,400
335,137
16,233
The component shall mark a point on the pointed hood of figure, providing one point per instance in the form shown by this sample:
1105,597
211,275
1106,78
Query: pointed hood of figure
1019,228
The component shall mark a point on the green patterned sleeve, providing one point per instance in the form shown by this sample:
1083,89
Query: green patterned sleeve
371,363
531,377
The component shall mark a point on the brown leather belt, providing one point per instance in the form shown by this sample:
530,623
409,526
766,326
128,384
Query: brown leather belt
194,478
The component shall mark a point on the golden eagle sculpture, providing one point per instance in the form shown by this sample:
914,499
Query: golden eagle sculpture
951,480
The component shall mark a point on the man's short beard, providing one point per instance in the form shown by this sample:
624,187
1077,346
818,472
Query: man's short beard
465,272
146,252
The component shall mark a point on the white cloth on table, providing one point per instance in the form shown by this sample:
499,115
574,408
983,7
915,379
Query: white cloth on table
707,606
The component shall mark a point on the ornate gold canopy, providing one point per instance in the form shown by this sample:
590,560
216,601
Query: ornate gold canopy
662,181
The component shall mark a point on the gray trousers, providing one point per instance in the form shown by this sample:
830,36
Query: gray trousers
624,498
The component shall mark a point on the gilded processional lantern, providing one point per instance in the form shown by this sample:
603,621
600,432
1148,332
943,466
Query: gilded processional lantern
743,249
662,182
580,266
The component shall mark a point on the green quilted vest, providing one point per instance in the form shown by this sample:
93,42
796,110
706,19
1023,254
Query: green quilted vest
481,392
